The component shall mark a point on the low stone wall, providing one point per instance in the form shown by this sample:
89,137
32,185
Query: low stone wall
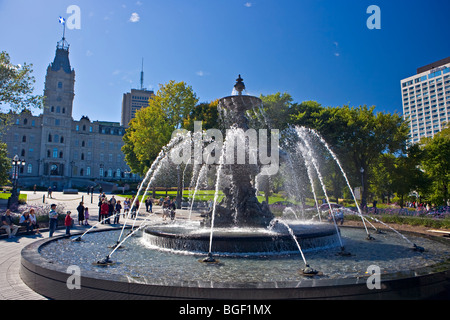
50,280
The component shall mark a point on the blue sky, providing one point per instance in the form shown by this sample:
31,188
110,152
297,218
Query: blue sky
313,49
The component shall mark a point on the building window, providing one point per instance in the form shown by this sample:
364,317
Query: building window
60,85
88,171
55,153
101,172
24,139
22,154
61,155
30,168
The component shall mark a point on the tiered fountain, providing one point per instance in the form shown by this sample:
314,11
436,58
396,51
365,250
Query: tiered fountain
245,251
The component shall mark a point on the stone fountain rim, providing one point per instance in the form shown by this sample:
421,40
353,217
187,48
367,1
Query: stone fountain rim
50,280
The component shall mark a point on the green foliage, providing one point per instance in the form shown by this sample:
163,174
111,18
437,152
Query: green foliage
436,163
152,127
16,85
205,112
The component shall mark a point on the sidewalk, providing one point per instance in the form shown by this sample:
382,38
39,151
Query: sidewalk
11,285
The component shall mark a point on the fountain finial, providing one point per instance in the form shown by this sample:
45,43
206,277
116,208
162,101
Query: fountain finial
239,86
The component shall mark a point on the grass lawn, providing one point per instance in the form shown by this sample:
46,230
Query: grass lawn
204,195
7,195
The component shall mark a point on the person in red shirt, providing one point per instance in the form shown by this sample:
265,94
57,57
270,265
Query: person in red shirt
104,210
68,223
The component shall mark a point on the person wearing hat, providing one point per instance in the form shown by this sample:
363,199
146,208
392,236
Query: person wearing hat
53,220
68,223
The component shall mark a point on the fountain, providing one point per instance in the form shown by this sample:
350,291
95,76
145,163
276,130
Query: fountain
245,250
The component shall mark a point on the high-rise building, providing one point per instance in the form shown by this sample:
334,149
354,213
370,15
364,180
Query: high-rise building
426,100
132,102
135,100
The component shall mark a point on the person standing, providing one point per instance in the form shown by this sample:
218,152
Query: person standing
86,216
53,220
68,223
80,210
117,212
104,210
8,225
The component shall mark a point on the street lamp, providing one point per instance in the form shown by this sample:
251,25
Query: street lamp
16,165
363,200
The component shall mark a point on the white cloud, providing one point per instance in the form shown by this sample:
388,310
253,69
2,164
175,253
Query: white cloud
248,4
139,3
135,17
89,53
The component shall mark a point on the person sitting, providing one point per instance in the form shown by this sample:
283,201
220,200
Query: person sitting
25,221
34,221
8,225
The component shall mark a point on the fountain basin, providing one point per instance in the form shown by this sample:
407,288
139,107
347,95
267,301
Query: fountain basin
236,241
44,268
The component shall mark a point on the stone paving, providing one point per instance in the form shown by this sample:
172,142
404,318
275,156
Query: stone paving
11,285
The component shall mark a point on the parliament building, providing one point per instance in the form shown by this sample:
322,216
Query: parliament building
59,151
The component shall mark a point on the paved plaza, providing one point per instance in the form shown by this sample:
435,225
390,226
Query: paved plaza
11,285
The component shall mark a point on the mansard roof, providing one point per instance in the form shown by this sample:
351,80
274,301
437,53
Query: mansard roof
61,60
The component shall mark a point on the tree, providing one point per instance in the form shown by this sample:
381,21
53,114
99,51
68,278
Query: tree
436,163
207,113
176,100
359,136
5,164
277,109
148,132
16,85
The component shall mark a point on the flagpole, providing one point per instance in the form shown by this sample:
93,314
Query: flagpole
64,30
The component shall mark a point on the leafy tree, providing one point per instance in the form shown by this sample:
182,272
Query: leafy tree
277,109
359,136
436,163
207,113
152,127
148,132
16,85
176,100
5,164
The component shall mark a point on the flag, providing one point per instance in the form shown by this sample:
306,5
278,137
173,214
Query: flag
62,20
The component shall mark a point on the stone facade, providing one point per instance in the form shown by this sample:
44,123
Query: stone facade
59,151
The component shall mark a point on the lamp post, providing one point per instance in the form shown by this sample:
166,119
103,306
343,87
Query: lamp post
16,165
363,198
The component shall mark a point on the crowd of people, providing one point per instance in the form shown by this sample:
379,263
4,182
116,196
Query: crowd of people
109,212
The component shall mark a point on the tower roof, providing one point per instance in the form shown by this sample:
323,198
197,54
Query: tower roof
61,60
